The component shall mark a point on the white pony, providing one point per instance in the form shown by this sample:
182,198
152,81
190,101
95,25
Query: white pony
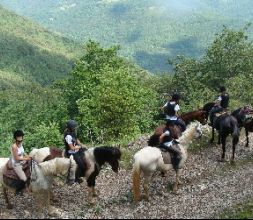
149,159
41,178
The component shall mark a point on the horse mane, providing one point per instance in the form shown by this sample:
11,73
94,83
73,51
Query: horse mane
188,134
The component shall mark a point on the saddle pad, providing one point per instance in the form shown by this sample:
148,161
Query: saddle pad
166,157
220,114
9,172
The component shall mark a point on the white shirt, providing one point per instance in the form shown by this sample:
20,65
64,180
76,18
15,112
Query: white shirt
170,143
21,152
69,140
177,108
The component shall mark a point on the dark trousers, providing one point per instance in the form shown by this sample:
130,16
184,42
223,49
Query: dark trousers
79,158
213,111
179,122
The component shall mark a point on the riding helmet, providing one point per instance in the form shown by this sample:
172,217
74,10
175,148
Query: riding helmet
72,124
175,97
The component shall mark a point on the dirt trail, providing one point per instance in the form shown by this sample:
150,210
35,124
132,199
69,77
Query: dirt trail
209,188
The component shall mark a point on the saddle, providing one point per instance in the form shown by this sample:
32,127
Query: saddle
170,158
220,114
10,173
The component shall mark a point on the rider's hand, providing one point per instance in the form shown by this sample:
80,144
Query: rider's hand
27,158
78,147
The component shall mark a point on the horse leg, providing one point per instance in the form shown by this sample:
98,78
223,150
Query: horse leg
91,181
233,154
177,182
9,205
247,138
147,178
212,139
223,140
219,138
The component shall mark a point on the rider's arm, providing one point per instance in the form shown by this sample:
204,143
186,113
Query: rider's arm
15,154
177,108
166,133
79,143
218,101
71,146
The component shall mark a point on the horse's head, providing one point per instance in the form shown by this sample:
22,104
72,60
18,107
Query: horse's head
202,117
114,162
110,155
207,108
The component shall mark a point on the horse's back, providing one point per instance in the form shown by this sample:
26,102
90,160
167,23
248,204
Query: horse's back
147,155
39,155
3,162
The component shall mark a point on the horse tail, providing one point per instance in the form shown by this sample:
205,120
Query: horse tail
236,132
136,181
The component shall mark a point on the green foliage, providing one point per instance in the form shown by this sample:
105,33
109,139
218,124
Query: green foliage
44,135
227,62
242,211
35,110
107,97
32,53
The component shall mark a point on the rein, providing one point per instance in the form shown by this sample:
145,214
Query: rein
32,167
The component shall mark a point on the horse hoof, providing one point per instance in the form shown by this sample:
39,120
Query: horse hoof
92,202
175,192
232,162
146,198
9,206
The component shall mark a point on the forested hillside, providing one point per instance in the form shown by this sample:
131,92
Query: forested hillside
149,31
31,53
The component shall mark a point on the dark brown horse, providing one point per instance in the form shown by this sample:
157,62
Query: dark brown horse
225,124
240,115
198,115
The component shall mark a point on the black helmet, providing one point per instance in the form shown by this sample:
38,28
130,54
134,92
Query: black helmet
72,124
175,97
222,89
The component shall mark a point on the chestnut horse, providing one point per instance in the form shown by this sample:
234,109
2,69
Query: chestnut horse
198,115
95,158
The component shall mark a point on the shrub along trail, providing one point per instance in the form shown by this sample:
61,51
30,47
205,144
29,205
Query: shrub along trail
209,188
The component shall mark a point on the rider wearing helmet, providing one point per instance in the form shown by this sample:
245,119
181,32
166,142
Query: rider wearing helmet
171,109
221,103
74,147
168,143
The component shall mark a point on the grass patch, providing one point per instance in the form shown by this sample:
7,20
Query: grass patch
242,211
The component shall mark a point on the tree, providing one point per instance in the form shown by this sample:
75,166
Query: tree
107,97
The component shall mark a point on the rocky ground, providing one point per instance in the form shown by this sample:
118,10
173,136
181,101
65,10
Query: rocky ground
209,187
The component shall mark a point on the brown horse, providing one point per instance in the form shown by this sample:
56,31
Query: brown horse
198,115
